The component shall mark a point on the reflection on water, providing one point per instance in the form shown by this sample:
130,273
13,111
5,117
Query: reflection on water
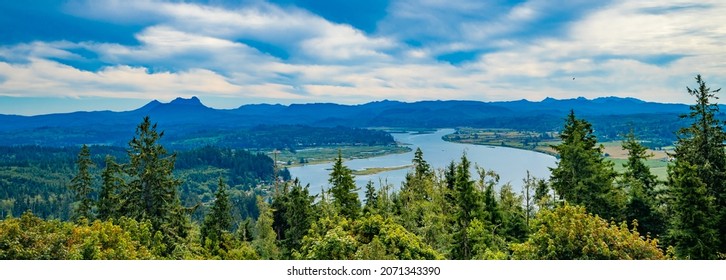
511,164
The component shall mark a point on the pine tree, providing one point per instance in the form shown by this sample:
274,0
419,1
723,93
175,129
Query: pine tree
152,191
371,199
299,218
294,212
218,220
109,198
641,205
582,175
421,168
344,190
265,237
468,208
82,186
693,228
635,167
699,153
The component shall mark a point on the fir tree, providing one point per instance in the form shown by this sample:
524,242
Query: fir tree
641,205
344,190
371,199
697,180
109,198
152,191
693,228
218,220
82,186
468,205
582,175
265,237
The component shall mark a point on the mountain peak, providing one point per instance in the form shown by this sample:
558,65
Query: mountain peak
149,106
183,101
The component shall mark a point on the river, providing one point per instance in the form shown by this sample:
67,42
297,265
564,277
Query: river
511,164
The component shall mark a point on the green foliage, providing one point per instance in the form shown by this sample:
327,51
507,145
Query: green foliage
468,207
692,228
109,199
294,212
32,238
582,176
640,183
334,237
344,190
265,241
218,221
82,186
373,231
513,214
151,191
487,244
697,181
570,233
371,196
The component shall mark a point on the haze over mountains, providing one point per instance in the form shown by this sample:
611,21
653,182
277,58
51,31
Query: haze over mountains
184,116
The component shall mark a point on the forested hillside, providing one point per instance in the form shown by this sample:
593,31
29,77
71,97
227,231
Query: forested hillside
35,178
190,124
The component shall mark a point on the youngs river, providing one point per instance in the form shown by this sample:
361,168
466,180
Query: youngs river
511,164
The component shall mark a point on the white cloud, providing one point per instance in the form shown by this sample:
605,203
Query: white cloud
42,78
192,49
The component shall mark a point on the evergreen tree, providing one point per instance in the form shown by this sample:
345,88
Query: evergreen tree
582,175
294,212
693,229
528,192
151,192
371,199
218,220
635,167
422,168
697,180
109,198
82,186
265,236
641,205
468,207
344,190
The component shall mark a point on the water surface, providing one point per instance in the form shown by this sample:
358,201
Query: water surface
511,164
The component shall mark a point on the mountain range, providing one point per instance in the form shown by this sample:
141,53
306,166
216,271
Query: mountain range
184,116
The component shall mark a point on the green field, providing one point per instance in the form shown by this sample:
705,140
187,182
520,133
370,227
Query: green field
657,167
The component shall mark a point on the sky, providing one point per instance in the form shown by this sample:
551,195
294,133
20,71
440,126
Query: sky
64,56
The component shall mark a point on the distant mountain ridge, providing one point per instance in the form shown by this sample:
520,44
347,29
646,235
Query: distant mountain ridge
189,115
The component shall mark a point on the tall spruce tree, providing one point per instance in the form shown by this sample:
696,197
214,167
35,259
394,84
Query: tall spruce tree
640,183
693,227
294,212
699,152
265,242
582,175
219,219
152,190
468,208
82,186
371,195
109,198
344,190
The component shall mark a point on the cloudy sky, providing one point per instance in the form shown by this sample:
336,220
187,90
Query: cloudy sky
61,56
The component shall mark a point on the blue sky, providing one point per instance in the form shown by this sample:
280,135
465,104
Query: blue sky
62,56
